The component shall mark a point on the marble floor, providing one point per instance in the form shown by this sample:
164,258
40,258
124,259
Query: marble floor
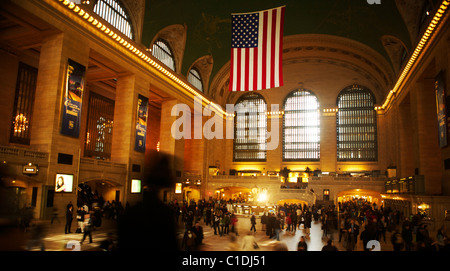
315,240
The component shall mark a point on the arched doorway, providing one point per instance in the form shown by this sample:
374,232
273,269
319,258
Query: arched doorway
191,194
359,194
235,194
99,191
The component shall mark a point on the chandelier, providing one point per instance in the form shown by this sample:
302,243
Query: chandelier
20,123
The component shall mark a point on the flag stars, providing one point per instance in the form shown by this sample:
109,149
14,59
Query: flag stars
245,30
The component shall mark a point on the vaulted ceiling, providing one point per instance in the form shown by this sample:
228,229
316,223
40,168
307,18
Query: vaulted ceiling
208,23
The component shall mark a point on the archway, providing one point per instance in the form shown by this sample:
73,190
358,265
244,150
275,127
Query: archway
99,191
234,193
359,194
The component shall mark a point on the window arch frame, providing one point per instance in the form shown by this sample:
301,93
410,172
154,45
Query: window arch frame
361,136
168,52
197,76
117,10
312,154
261,131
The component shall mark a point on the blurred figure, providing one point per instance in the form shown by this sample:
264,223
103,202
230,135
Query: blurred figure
280,246
87,228
55,215
302,246
150,224
249,243
108,244
12,238
253,222
189,240
36,237
80,219
233,245
198,230
329,246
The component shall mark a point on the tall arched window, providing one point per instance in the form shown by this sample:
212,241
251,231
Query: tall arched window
195,79
301,127
161,50
356,123
113,12
250,128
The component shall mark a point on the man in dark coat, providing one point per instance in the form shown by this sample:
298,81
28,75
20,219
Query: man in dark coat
69,218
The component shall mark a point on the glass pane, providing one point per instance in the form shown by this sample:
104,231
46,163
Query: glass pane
356,125
112,12
301,127
250,128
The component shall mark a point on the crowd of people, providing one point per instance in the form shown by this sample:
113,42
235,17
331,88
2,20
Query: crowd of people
371,222
350,222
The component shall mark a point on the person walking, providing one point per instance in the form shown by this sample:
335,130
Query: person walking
277,229
308,220
253,222
87,228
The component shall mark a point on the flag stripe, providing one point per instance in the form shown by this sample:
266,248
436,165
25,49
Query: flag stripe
255,69
280,47
273,49
256,61
264,52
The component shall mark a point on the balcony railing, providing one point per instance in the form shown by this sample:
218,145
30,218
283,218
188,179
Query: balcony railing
22,155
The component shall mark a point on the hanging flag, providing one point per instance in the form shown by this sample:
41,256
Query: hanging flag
256,50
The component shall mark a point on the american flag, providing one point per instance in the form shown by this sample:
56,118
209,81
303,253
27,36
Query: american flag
256,50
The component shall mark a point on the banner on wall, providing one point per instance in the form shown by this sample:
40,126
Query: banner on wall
141,123
441,109
73,96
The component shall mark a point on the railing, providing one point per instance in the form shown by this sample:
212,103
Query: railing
347,179
236,177
102,165
24,155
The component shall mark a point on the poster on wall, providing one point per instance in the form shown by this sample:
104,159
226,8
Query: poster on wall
441,109
64,183
141,123
72,99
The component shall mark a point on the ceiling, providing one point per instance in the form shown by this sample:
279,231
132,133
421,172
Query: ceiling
208,23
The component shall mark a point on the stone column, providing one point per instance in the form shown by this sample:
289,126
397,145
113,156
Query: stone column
47,113
168,143
124,133
328,148
405,132
428,159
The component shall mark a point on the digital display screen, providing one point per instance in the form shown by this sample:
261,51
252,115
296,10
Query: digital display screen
64,183
135,186
178,188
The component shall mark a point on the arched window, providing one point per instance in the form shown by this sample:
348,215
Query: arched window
113,12
162,51
356,123
301,126
250,128
195,79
